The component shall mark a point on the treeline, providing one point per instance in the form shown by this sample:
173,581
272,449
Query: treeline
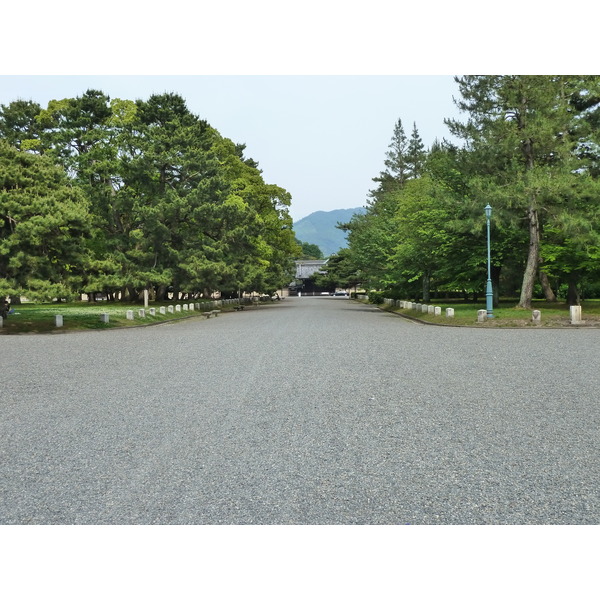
531,149
119,196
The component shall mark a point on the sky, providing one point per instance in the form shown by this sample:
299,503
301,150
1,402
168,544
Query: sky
323,138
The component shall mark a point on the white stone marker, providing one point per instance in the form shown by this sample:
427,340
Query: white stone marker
130,315
162,310
413,306
142,313
178,308
431,309
481,315
536,316
191,306
145,298
424,308
104,317
437,311
185,307
171,308
152,312
1,321
450,312
418,306
575,315
58,320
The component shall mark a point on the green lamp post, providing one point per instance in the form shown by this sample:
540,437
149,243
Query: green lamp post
489,294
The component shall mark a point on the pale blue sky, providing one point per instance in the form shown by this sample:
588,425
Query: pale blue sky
322,138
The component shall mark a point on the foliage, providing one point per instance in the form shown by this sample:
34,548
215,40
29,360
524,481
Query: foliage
43,224
167,204
531,150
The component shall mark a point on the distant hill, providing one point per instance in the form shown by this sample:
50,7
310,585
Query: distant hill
320,228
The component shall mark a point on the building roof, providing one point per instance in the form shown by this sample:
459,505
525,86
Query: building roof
307,268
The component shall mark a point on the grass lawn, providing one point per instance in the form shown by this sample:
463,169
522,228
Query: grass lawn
40,318
554,314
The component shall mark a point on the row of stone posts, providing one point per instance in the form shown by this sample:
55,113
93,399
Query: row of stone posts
436,311
536,315
142,313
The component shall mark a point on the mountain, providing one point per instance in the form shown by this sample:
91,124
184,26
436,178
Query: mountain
320,228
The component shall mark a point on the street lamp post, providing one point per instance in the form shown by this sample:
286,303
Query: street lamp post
489,294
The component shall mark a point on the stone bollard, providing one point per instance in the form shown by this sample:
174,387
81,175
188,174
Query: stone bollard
536,316
431,309
162,310
58,320
130,315
450,312
104,317
481,316
437,311
142,313
178,308
575,315
152,312
171,308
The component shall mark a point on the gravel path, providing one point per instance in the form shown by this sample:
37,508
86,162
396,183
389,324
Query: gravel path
309,411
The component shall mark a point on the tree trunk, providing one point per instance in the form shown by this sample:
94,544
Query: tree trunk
548,293
161,293
573,294
533,260
426,291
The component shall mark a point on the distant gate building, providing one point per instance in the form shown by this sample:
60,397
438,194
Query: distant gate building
305,269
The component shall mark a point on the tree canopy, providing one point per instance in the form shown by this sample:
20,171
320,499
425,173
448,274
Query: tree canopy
530,149
146,195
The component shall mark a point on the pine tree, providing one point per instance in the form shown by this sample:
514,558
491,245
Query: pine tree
415,155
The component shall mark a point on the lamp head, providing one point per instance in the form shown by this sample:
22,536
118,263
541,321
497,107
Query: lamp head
488,211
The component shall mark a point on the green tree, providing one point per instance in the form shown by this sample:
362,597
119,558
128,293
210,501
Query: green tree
43,225
309,251
524,133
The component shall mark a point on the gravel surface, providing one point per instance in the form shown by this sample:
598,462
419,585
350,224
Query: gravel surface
307,411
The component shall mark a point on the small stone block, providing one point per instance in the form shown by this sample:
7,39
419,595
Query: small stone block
481,316
536,316
413,306
191,306
142,313
575,315
104,317
152,312
130,315
418,306
171,308
178,308
450,312
1,321
431,309
162,310
185,307
58,320
437,311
